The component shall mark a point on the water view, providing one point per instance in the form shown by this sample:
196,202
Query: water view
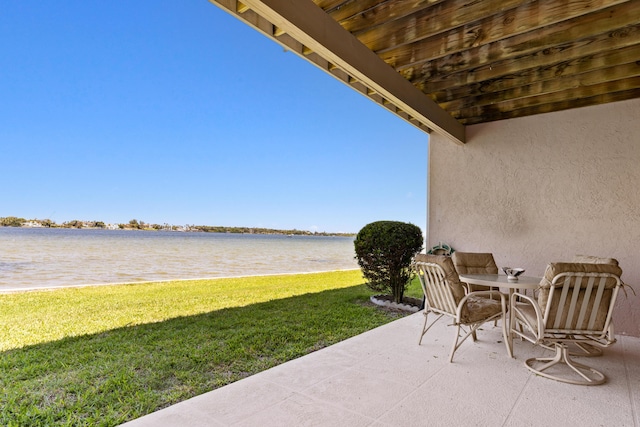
48,258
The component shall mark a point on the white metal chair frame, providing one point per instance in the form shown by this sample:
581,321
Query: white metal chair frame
439,300
559,335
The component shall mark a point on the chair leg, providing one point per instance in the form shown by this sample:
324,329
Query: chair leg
455,342
587,375
425,328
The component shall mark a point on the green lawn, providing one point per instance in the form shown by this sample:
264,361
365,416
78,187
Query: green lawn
105,355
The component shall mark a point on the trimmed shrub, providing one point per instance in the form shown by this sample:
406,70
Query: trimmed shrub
384,250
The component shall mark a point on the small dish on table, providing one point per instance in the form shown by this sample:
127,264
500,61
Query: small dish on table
512,273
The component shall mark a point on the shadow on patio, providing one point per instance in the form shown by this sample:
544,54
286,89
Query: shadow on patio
382,377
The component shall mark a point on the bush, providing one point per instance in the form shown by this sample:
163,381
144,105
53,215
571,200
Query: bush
12,221
384,250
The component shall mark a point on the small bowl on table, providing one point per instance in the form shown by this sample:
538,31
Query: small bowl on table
512,273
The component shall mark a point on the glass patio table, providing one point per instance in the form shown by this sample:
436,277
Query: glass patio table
501,281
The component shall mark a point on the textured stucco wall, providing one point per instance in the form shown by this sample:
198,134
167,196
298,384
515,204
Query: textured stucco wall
540,189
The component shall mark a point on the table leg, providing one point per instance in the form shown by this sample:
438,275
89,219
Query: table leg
511,325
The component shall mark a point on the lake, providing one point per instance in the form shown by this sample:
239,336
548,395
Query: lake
53,257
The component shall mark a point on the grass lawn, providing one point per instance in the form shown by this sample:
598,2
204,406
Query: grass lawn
105,355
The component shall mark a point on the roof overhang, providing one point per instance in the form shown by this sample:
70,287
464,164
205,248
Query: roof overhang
307,30
444,64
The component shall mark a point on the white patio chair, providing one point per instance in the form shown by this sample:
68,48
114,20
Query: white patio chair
445,296
574,305
584,348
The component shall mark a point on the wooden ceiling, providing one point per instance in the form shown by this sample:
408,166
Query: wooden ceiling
478,60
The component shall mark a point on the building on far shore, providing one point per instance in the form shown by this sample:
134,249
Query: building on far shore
33,224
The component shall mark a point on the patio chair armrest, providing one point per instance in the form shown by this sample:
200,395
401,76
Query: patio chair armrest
518,295
486,294
467,288
539,331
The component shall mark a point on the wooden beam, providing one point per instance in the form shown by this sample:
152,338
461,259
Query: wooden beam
529,22
241,8
312,27
358,15
328,4
558,84
540,60
435,20
605,21
624,58
556,106
569,96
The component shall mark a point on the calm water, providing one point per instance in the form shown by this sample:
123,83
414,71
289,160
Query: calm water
38,258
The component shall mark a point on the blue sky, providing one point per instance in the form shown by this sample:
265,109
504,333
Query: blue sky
173,111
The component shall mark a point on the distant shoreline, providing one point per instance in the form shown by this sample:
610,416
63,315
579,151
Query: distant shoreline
140,225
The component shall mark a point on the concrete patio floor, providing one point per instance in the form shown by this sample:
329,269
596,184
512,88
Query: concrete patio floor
383,378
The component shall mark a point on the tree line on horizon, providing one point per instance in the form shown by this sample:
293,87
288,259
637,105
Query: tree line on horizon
134,224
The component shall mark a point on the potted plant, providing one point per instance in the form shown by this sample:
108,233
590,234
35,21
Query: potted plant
384,250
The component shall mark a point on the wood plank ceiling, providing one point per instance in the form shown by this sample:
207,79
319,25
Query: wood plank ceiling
481,60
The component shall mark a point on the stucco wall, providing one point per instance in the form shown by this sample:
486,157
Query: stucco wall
540,189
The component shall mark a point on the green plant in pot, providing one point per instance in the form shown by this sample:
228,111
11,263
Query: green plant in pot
384,250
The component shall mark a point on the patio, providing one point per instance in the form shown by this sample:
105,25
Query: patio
383,378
